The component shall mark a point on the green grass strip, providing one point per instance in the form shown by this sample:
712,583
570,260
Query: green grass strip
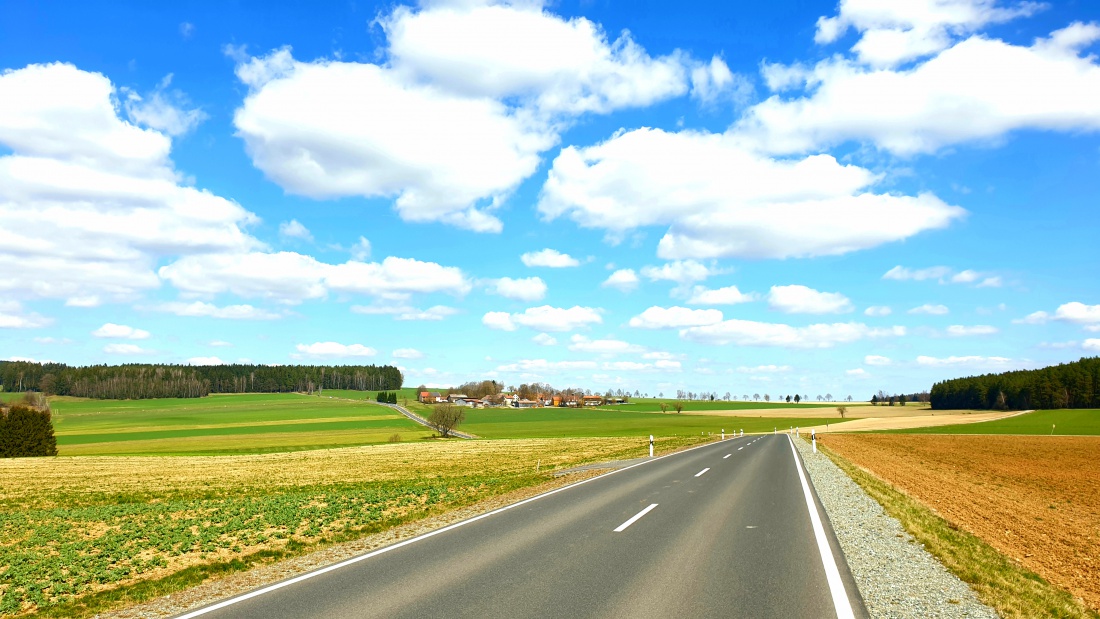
1012,590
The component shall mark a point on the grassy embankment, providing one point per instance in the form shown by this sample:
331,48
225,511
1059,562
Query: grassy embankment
1060,422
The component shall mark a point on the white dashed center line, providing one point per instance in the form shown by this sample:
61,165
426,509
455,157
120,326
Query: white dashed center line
726,456
700,473
634,518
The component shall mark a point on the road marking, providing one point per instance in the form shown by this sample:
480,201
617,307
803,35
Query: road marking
742,447
700,473
363,557
634,518
832,574
726,456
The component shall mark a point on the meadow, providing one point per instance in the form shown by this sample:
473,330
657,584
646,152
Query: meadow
223,424
1059,422
81,535
653,405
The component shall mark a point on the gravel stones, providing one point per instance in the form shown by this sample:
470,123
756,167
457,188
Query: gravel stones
895,575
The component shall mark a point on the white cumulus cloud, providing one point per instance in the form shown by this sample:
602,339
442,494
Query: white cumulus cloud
930,309
608,346
111,330
524,289
965,330
544,318
125,349
624,280
751,333
205,361
878,310
294,229
329,350
549,258
676,317
876,360
728,295
209,310
721,199
798,299
407,353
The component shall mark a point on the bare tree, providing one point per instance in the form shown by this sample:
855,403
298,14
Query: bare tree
679,407
756,396
843,410
446,417
829,397
767,398
664,407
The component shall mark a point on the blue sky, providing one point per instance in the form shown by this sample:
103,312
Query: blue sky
786,197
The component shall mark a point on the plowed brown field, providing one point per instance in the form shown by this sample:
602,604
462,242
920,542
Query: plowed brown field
1034,498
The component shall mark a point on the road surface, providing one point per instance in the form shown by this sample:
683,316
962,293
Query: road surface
722,530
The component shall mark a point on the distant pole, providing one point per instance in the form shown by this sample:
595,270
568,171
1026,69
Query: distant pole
723,434
813,439
650,445
1052,429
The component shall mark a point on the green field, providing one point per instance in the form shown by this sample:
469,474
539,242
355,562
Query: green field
223,423
1065,422
653,405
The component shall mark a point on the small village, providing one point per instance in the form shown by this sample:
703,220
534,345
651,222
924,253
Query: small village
513,400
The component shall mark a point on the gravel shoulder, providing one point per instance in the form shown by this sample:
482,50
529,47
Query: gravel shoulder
895,575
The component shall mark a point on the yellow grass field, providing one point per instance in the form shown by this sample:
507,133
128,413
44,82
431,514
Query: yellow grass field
75,527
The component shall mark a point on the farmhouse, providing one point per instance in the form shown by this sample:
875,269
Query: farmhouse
593,400
429,397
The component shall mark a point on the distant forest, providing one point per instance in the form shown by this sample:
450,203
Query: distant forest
139,381
1070,385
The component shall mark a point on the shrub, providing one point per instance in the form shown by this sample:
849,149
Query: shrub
26,431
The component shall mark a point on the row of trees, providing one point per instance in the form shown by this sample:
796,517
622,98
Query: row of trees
1069,385
139,381
387,397
26,429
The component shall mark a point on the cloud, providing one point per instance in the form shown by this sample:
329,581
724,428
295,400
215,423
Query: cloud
944,275
290,277
544,339
542,365
674,318
1075,312
455,115
112,330
963,330
858,373
205,361
293,229
13,317
1092,344
750,333
930,309
876,360
526,289
901,273
878,310
634,366
764,369
721,199
973,361
602,347
544,318
659,355
163,109
729,295
219,343
187,29
623,280
407,353
361,250
328,350
406,312
91,203
976,90
125,349
895,32
551,258
680,271
209,310
803,300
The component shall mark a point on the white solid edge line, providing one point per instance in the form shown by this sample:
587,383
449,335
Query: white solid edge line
700,473
832,573
622,527
335,566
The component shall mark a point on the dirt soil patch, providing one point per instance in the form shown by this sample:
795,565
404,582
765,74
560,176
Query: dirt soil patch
1034,498
922,419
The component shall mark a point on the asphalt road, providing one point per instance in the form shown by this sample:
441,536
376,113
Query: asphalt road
731,535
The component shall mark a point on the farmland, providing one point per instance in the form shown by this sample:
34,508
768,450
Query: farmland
1061,422
1035,499
73,527
221,424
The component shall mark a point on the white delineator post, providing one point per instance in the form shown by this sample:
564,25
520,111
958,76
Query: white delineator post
650,445
813,439
723,434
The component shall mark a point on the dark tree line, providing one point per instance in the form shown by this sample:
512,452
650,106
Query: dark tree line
139,381
1069,385
26,429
